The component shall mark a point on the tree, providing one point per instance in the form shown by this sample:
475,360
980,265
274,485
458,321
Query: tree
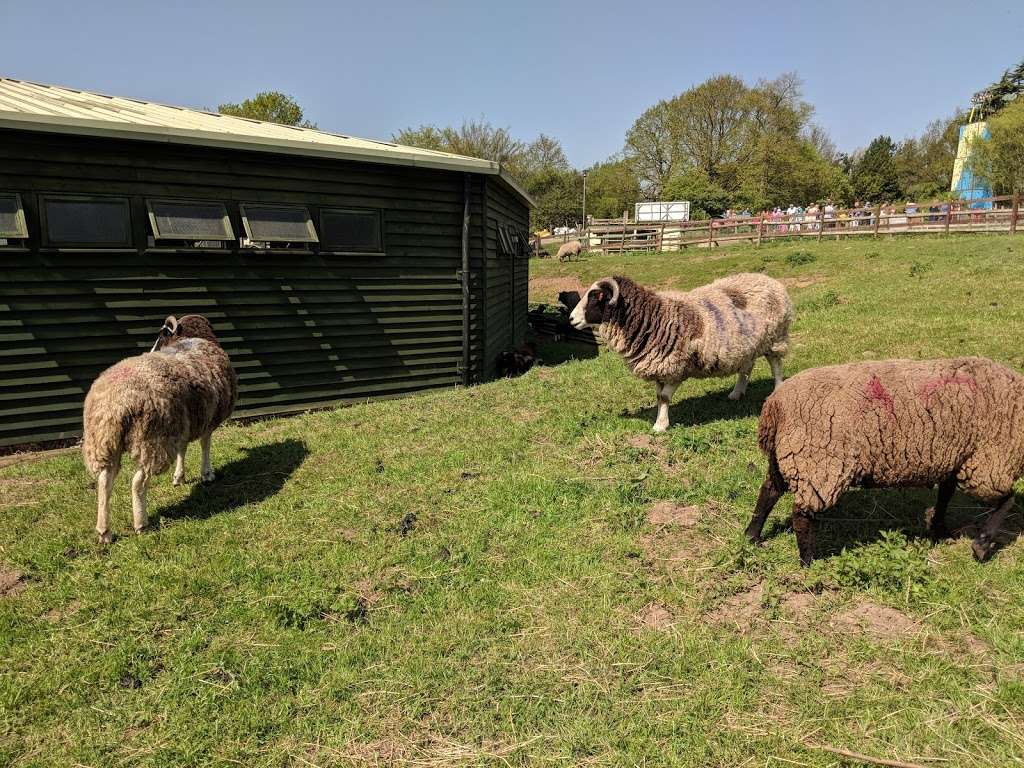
612,187
651,147
474,138
924,165
874,176
999,160
271,106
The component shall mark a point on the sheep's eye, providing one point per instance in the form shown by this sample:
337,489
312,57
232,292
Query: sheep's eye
599,295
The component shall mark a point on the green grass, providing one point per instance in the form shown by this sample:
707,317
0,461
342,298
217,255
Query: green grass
469,577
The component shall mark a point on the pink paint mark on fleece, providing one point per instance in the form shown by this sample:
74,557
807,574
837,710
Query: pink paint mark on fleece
121,373
931,386
876,392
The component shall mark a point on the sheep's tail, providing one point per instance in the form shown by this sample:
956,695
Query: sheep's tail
768,427
106,429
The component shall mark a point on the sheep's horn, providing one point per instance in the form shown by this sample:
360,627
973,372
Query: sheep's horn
170,326
612,286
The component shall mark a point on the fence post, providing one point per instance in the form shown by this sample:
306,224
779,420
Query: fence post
760,228
711,233
821,222
878,220
949,215
625,218
1015,213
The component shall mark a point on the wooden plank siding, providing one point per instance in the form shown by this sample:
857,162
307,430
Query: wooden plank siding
507,276
303,329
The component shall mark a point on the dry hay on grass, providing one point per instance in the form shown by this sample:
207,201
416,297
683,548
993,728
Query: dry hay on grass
11,582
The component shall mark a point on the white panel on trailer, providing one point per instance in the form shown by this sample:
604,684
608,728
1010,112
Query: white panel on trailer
678,210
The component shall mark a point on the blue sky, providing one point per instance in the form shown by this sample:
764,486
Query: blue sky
579,71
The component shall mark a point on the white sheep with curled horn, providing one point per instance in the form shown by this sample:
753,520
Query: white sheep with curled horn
714,330
151,407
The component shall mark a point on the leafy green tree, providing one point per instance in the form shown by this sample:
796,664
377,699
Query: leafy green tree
707,199
559,196
924,164
612,187
874,176
271,106
474,138
999,160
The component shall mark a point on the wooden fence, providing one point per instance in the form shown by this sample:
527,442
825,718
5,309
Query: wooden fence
618,235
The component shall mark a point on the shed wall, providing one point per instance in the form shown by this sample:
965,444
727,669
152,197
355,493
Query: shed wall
302,329
507,275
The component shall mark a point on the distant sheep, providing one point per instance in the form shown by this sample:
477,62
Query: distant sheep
151,407
889,424
570,249
715,330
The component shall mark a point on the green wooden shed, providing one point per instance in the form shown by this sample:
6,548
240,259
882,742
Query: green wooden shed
334,269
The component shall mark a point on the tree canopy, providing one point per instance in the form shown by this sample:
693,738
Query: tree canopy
999,160
271,106
874,176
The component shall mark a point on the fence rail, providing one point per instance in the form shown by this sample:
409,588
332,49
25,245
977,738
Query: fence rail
618,235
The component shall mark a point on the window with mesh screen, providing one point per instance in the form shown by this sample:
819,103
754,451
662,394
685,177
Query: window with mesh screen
74,221
278,223
12,217
351,230
189,220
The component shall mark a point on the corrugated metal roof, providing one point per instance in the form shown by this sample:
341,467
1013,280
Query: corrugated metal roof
52,108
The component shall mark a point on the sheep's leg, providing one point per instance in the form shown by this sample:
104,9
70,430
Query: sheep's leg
664,392
208,475
803,525
984,544
104,487
935,517
741,382
179,467
771,491
140,484
776,363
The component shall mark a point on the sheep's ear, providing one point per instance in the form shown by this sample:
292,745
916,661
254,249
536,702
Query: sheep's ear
612,287
171,325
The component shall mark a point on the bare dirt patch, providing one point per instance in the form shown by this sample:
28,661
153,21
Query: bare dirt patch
803,281
668,513
11,582
548,288
648,444
57,614
741,610
654,616
879,621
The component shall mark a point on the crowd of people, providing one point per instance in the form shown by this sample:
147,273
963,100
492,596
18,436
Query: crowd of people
827,214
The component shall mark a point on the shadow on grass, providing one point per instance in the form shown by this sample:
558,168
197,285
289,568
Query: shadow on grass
863,514
260,474
712,406
551,352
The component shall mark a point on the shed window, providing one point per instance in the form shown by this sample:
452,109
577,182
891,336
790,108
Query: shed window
196,222
78,221
278,223
12,217
351,230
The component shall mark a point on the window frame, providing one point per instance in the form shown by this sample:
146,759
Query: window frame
44,223
312,239
157,236
333,248
19,216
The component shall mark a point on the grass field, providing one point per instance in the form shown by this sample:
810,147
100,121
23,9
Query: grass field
519,573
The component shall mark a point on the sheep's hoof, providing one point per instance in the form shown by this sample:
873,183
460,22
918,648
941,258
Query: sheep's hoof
209,477
178,480
936,531
659,428
106,538
734,395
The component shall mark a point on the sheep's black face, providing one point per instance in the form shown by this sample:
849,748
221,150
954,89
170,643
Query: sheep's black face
569,299
592,309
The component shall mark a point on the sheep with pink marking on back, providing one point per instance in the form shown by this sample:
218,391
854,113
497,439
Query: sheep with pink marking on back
151,407
893,423
714,330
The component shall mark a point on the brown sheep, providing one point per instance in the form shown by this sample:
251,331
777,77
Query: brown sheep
151,407
570,249
889,424
715,330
